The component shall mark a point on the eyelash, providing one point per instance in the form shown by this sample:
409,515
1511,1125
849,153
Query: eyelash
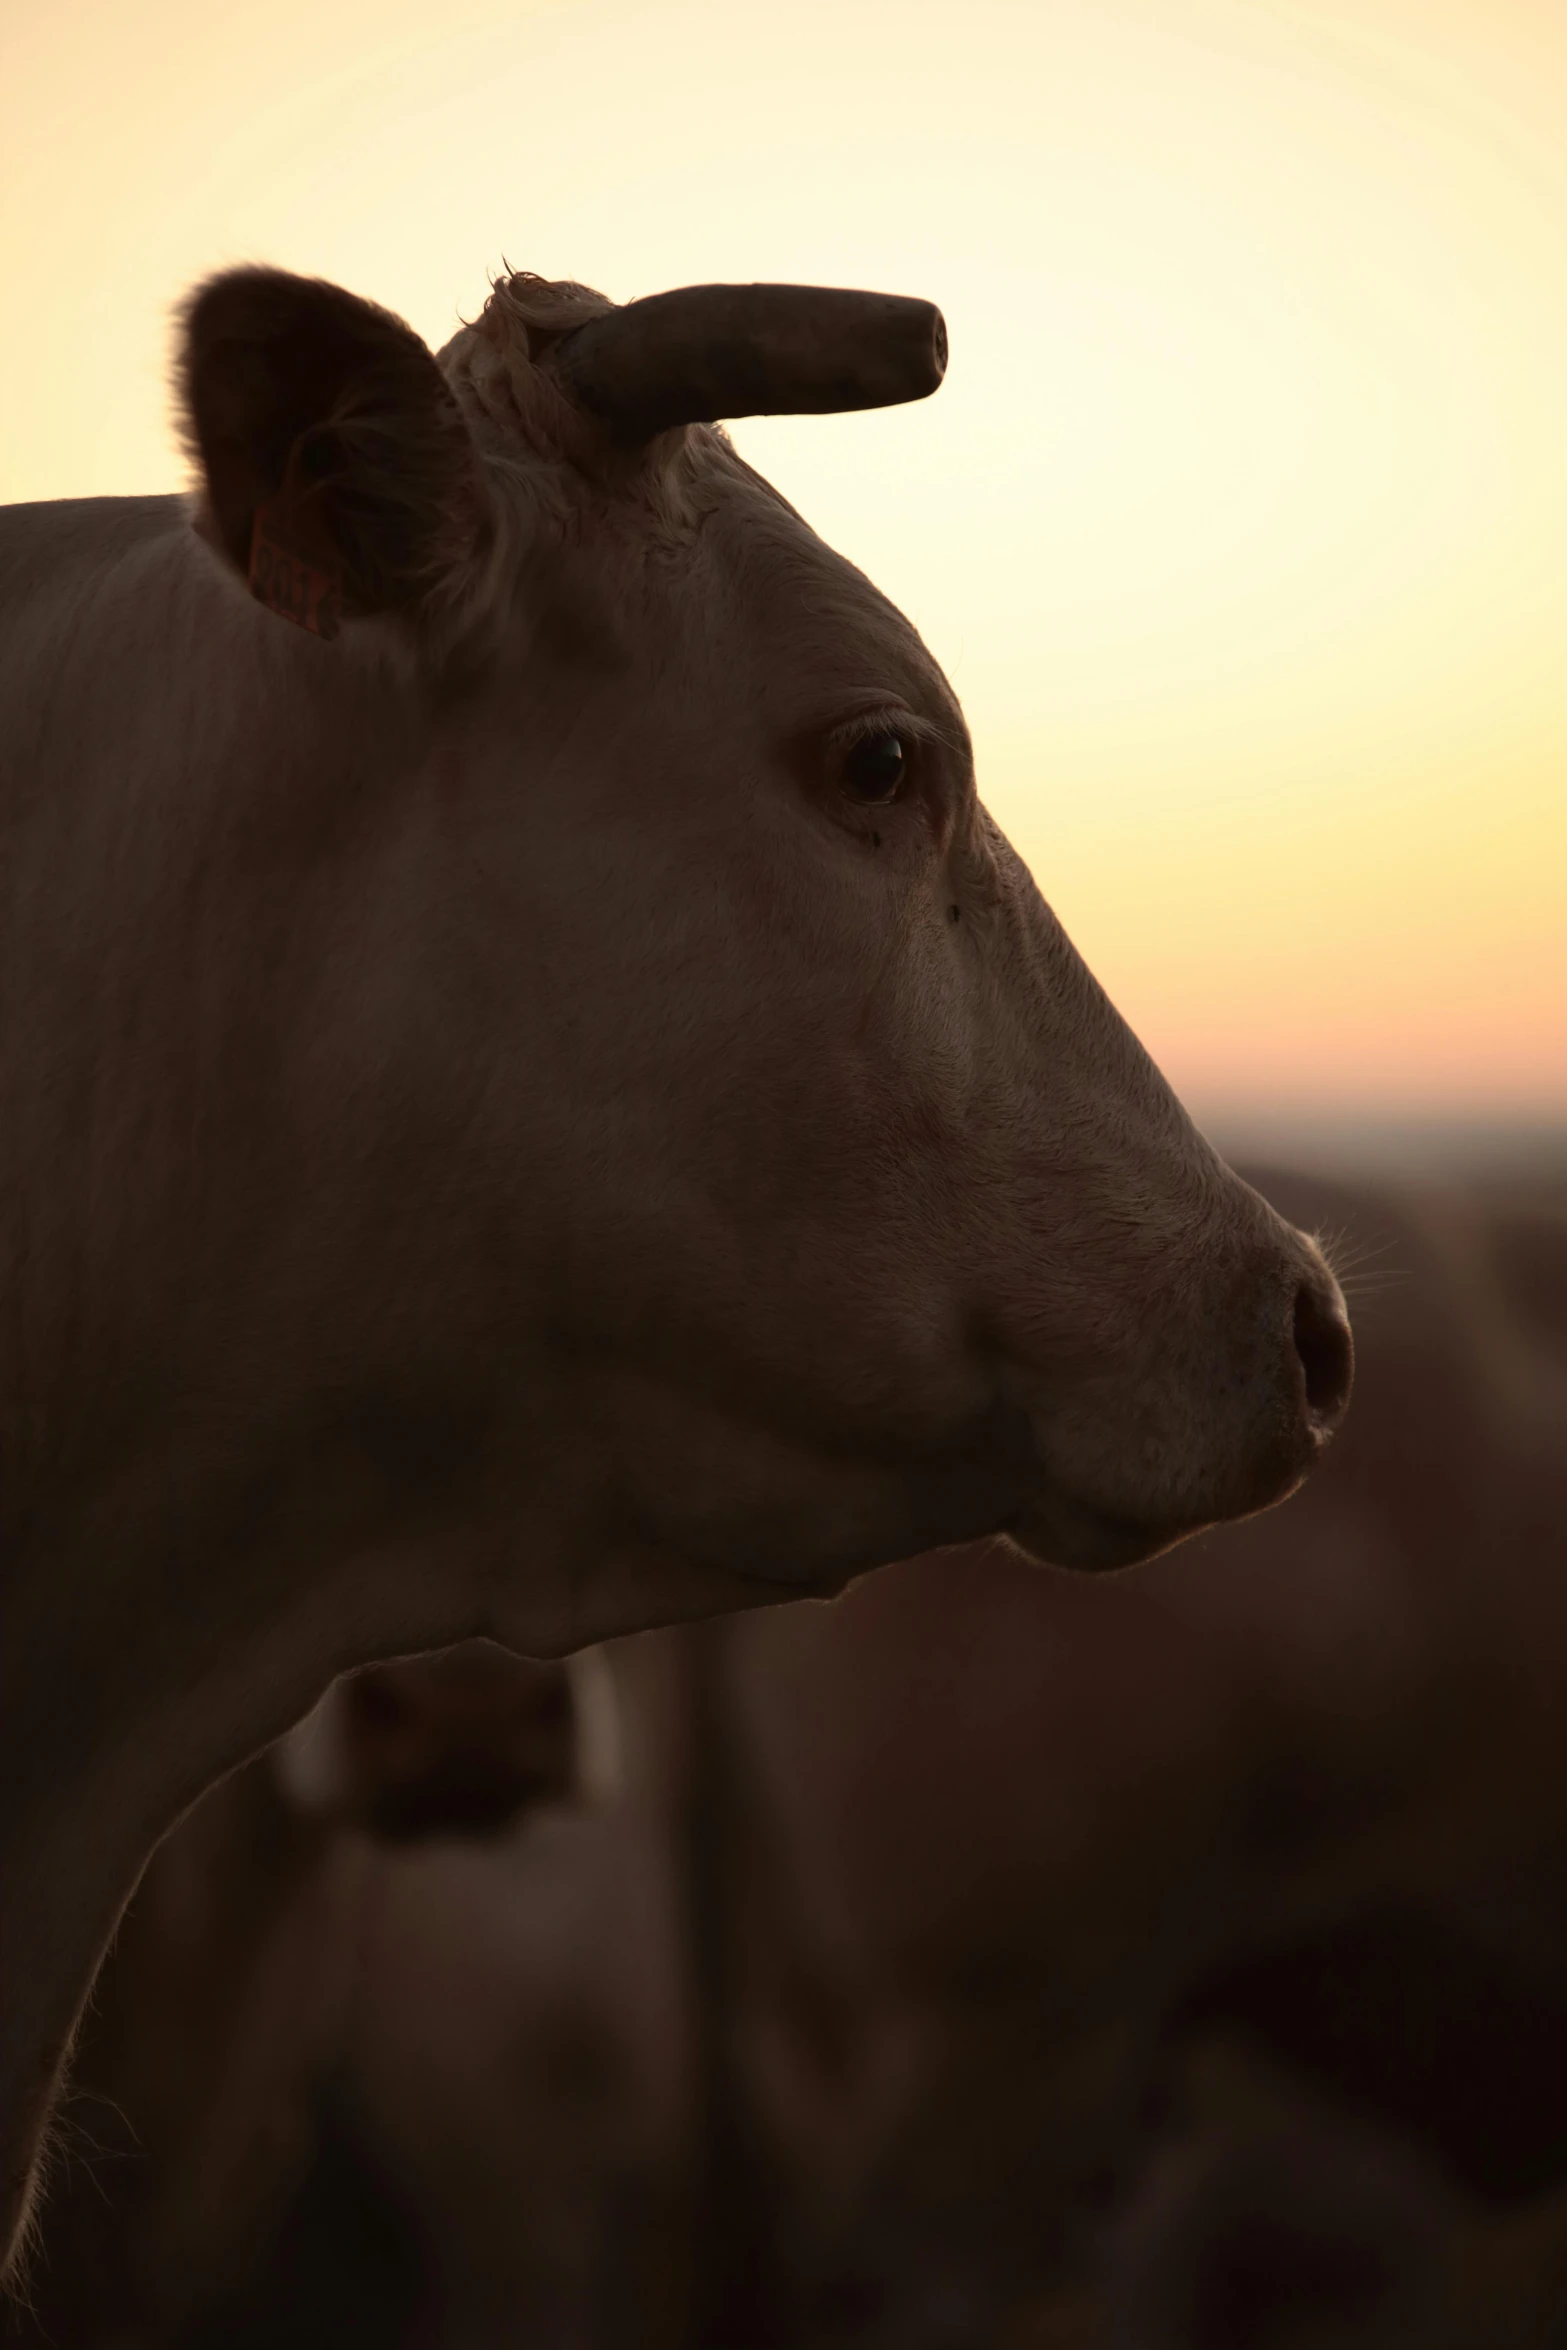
876,722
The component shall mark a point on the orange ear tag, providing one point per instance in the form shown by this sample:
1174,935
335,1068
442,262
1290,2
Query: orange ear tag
299,585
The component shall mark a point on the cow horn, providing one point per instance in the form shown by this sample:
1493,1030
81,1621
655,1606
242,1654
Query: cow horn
702,352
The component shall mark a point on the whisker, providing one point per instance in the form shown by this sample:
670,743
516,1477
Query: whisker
1375,1277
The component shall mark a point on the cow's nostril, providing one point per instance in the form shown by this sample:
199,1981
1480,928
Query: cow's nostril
1326,1351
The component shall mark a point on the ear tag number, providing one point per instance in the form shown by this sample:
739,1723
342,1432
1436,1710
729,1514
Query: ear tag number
288,580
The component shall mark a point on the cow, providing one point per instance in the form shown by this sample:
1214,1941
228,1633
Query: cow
535,1100
200,2111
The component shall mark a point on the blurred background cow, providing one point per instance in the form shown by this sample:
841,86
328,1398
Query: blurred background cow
204,2173
1167,1962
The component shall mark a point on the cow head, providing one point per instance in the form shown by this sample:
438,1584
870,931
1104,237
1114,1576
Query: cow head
455,1744
704,1114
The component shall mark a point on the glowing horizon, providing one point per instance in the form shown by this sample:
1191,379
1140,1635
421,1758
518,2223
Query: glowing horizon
1240,523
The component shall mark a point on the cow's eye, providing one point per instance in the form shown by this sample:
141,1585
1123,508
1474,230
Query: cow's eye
873,770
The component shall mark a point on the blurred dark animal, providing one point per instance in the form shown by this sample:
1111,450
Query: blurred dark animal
522,2079
1272,2222
1271,2217
535,1100
204,2164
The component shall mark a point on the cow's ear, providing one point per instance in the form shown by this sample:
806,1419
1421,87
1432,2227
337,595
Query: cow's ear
339,474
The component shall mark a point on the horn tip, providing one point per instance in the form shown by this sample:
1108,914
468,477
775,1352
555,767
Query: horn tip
938,345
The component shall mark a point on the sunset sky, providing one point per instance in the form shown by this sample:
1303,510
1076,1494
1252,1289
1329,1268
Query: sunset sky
1240,523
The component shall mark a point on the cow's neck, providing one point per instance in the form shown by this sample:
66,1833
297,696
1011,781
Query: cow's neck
115,1717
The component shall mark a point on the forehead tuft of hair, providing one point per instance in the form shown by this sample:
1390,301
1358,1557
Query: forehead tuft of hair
497,360
527,424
